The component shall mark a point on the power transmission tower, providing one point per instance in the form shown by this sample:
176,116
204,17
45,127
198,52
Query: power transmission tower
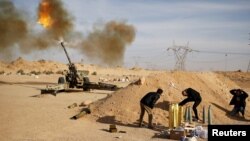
249,39
248,68
180,53
226,62
136,58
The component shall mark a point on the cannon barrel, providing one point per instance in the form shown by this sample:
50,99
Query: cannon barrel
66,53
72,75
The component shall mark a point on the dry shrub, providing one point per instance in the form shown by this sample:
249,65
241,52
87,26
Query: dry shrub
48,72
2,72
94,73
35,72
20,72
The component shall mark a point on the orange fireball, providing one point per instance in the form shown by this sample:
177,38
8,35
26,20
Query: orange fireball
44,14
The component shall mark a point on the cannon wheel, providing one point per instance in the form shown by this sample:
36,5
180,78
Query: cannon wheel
86,80
85,84
61,80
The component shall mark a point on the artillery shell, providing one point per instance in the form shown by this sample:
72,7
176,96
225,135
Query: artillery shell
72,105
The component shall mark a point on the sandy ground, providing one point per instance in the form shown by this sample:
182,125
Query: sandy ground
26,115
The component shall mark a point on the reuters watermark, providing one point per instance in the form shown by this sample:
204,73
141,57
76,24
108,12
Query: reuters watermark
228,131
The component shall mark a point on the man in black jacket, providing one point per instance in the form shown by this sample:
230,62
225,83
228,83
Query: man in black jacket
147,104
192,95
239,101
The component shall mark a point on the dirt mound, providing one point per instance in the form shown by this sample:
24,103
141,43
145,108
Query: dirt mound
240,78
122,107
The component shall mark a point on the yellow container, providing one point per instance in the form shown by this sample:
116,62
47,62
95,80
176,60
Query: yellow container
175,115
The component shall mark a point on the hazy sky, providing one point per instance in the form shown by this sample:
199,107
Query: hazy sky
212,27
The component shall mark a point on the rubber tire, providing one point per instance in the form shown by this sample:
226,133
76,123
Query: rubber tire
61,80
86,80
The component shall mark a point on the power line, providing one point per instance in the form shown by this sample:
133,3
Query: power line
217,52
214,60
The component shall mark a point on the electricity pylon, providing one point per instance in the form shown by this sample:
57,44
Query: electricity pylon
248,68
180,53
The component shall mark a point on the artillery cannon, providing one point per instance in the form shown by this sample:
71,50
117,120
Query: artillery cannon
76,79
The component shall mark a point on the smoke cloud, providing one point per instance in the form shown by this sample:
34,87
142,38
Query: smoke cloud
60,21
59,25
13,28
104,45
107,45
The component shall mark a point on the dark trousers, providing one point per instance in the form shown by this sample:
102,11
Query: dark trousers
150,115
238,109
196,104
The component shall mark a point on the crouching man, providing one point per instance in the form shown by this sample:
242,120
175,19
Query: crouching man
239,101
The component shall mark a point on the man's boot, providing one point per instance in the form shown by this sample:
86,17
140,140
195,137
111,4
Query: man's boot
150,118
140,123
140,120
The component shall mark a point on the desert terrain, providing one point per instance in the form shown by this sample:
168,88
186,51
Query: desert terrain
26,115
